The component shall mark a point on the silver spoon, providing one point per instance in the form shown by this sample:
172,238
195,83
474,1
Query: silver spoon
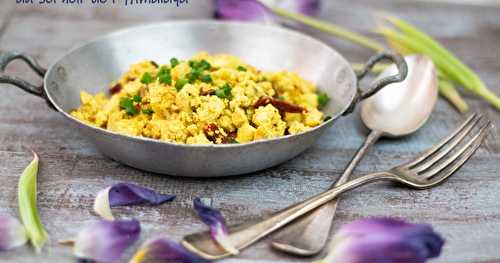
397,110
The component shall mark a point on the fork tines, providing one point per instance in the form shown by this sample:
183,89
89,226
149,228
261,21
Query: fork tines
453,151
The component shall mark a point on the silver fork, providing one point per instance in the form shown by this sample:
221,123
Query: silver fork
427,170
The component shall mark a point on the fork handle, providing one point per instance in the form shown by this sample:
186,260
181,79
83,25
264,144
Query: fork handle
244,235
308,235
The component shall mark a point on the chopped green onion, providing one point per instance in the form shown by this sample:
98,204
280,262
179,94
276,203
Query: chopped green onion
165,79
206,78
179,84
194,75
128,105
27,198
137,98
147,78
163,70
241,68
200,65
323,99
224,92
204,65
148,111
174,62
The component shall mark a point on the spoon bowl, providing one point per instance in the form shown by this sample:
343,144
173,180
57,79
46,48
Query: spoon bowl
402,108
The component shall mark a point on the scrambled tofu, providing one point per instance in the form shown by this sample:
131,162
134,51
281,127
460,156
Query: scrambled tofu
205,100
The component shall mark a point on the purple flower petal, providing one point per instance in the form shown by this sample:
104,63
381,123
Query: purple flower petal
126,194
12,233
217,224
384,240
305,7
105,241
243,10
254,10
162,249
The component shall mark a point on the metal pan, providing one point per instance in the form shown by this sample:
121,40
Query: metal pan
93,66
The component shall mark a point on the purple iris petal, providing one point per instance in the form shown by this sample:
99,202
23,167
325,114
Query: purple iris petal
12,233
305,7
131,194
165,250
254,10
244,10
385,240
126,194
105,241
210,216
217,224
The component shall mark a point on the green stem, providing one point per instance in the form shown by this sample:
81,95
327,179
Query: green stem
433,45
329,28
450,64
447,90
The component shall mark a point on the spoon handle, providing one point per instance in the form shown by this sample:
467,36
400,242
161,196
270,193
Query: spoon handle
308,235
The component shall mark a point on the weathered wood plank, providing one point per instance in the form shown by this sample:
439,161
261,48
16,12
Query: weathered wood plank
465,209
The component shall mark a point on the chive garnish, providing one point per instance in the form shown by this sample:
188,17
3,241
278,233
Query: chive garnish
204,65
163,70
148,111
128,105
165,79
179,84
206,78
174,62
147,78
224,92
164,76
323,99
137,98
241,68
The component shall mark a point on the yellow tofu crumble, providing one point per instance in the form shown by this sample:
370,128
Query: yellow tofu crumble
204,100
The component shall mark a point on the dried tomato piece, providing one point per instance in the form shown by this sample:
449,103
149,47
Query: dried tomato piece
212,132
281,105
230,138
207,92
115,89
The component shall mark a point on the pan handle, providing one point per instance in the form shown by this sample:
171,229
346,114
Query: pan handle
8,56
381,83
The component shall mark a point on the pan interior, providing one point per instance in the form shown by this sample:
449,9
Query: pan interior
95,65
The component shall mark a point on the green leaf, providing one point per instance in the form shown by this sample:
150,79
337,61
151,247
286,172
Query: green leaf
241,68
137,98
179,84
148,111
224,92
27,198
165,79
163,70
174,62
147,78
206,78
323,99
128,105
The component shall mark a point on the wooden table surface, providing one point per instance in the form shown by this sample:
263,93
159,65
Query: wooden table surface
465,210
